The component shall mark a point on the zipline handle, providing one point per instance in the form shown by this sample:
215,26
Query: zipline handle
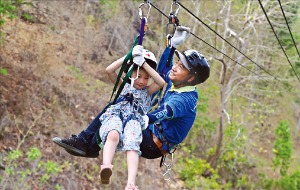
143,27
142,30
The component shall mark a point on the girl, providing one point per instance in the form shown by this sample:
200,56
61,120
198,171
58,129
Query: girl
123,122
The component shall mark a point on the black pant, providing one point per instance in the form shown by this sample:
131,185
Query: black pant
148,147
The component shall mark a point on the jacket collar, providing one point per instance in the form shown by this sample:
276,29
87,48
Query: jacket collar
183,89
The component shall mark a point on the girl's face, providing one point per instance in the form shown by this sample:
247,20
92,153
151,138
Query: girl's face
142,80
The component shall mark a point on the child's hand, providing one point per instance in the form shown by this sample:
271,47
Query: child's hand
137,54
146,121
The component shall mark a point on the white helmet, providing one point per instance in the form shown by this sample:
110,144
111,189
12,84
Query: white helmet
150,58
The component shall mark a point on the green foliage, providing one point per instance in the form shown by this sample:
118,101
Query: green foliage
283,153
3,71
233,159
27,17
34,153
108,9
288,182
19,170
192,172
14,155
77,73
282,148
6,8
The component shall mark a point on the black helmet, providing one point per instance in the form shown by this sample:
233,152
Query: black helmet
196,63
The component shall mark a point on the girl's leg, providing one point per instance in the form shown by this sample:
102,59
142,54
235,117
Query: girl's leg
110,146
132,164
132,140
110,136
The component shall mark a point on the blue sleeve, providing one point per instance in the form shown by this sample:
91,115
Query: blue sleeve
182,104
165,63
161,113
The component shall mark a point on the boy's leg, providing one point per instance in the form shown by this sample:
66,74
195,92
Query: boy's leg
85,143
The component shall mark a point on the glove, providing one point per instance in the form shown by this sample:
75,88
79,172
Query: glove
180,35
137,54
146,122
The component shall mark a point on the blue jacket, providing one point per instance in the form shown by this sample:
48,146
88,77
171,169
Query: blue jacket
173,118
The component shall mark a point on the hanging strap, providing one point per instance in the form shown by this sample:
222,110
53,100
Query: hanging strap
124,64
139,41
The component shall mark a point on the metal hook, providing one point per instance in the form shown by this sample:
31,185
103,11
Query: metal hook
173,20
167,174
177,10
141,11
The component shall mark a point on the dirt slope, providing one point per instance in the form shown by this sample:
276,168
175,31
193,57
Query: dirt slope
54,87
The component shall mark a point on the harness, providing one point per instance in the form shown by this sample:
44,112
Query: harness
128,58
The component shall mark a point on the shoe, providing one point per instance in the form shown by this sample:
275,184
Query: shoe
105,174
87,155
74,144
131,186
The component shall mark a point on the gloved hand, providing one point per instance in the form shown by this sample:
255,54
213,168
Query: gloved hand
137,54
180,35
146,122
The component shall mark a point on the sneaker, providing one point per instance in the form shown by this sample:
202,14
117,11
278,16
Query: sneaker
73,144
105,174
131,186
87,155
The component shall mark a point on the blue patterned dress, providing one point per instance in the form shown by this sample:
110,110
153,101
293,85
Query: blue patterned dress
126,117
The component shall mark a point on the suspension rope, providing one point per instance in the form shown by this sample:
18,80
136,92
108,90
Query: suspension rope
221,51
277,38
288,27
231,44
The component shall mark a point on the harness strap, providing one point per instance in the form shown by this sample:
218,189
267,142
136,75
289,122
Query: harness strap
158,144
124,64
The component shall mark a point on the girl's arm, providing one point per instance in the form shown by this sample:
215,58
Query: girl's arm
158,80
112,68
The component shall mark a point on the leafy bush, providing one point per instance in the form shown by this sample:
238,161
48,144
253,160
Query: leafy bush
6,8
282,148
19,169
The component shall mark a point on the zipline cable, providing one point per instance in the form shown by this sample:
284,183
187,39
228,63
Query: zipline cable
230,43
219,50
208,43
288,27
277,38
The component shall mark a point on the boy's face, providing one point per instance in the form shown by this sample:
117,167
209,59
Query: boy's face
179,75
142,80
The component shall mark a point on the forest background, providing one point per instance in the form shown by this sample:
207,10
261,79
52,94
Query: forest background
53,54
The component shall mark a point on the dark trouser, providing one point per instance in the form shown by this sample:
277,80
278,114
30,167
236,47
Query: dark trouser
148,147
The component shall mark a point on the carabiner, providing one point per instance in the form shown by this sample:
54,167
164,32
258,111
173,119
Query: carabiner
173,20
141,11
177,10
167,174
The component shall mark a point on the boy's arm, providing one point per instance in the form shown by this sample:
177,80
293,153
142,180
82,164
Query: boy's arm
112,68
158,80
